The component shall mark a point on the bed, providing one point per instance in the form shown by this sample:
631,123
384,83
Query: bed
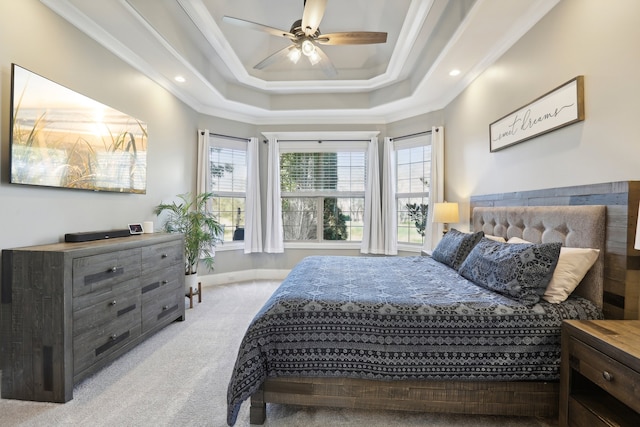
386,332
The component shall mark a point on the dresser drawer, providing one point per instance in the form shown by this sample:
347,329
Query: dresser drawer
82,302
166,306
99,273
162,255
110,307
101,342
156,281
615,378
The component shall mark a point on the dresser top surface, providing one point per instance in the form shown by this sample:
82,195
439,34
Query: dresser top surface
122,242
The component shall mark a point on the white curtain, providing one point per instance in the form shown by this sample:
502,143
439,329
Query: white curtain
253,210
202,179
274,239
372,238
433,232
389,216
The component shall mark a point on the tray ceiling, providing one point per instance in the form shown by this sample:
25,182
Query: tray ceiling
406,76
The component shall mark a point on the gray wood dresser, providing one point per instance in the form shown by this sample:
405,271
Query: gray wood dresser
69,309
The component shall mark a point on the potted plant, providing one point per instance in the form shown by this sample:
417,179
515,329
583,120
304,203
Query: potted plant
201,230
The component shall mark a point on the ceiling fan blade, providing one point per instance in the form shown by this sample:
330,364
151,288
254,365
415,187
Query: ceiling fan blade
258,27
279,55
312,15
326,64
353,37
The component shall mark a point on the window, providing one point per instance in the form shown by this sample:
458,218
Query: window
413,171
322,190
228,166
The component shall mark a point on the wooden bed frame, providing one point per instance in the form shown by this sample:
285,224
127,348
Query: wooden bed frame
574,226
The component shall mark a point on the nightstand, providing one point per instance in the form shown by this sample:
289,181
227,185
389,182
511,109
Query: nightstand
600,373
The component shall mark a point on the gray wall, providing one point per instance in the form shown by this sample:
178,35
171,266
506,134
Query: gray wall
594,38
37,39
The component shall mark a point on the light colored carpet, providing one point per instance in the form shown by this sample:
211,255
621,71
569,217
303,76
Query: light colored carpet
179,377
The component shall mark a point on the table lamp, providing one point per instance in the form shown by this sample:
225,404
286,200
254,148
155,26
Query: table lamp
445,213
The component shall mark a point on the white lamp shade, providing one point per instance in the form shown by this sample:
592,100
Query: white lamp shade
308,48
294,55
446,213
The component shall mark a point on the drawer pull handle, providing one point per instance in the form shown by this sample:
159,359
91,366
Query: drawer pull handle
113,337
165,307
164,255
113,269
164,282
607,376
114,302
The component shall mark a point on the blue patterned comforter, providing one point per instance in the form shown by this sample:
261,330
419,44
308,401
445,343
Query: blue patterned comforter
396,318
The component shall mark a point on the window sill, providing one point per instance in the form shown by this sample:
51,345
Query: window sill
410,248
239,245
323,245
230,246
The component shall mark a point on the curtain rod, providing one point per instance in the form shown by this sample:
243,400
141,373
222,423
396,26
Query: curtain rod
319,141
237,138
398,138
426,132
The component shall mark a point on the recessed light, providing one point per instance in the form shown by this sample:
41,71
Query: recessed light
454,72
180,79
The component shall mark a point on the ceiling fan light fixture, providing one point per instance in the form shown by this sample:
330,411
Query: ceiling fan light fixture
308,48
307,38
294,55
314,58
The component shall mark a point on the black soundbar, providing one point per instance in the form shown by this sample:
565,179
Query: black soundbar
95,235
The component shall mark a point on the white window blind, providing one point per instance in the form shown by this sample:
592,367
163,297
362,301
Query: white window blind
228,168
323,173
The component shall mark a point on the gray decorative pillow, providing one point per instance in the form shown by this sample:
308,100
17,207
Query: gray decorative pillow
518,271
455,246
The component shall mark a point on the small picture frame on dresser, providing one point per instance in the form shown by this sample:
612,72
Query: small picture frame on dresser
136,229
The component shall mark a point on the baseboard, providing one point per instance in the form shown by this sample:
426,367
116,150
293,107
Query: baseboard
242,276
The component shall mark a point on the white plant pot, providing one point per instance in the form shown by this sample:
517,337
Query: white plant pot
191,283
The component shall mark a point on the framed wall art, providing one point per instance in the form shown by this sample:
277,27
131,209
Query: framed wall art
561,107
60,138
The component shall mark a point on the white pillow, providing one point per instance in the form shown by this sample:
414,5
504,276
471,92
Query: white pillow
573,265
495,238
517,240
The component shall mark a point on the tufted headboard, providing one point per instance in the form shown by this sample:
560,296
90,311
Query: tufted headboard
574,226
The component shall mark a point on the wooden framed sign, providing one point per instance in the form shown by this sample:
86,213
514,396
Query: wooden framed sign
561,107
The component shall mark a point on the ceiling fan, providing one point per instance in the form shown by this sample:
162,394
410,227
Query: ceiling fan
306,37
